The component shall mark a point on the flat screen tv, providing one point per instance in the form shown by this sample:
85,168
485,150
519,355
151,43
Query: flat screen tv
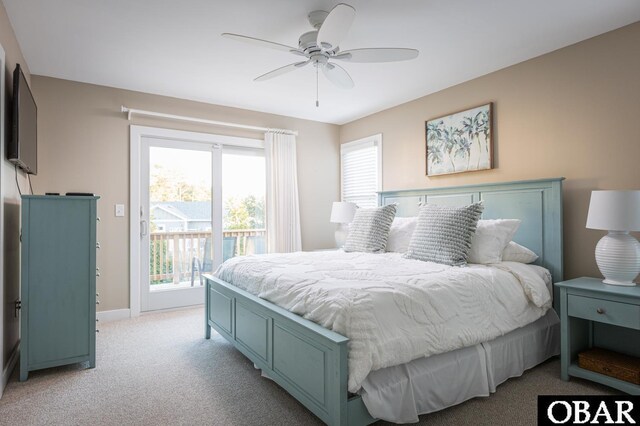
22,148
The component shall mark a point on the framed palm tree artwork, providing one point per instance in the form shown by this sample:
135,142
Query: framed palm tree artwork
460,142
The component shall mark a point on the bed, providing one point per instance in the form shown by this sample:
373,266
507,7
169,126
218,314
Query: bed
311,362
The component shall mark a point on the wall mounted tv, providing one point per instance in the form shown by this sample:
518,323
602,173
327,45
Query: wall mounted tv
22,148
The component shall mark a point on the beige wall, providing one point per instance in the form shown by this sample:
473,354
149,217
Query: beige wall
11,203
84,146
573,113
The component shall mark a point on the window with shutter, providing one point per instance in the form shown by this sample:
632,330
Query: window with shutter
361,167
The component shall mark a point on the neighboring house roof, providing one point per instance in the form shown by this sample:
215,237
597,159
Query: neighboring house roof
186,210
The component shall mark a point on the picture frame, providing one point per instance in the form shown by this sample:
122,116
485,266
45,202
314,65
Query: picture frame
460,142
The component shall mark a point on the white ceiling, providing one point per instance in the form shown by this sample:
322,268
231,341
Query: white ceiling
174,48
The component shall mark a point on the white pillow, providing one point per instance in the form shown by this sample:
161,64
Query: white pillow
514,252
490,239
400,234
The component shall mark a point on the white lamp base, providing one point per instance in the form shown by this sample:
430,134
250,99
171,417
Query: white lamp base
625,283
341,235
618,258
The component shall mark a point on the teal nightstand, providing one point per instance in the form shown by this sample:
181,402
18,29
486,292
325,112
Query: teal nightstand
600,315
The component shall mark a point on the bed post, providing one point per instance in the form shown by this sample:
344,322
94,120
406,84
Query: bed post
338,391
207,327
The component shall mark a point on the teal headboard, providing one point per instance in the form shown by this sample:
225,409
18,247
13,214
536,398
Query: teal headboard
537,203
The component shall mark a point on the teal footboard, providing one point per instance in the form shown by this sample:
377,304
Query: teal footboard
307,360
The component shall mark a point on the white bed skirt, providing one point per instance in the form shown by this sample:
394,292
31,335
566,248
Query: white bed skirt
399,394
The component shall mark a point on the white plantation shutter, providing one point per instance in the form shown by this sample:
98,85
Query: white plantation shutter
361,167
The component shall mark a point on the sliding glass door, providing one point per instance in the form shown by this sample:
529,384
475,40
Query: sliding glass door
201,204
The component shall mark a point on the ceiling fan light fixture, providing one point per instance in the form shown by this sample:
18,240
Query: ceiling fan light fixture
321,46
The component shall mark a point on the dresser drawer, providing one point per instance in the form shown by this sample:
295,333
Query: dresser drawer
606,311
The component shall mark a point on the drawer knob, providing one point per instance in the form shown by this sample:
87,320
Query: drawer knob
600,311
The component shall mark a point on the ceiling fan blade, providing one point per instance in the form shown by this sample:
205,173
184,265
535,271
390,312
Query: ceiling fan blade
281,70
383,54
338,75
336,26
263,43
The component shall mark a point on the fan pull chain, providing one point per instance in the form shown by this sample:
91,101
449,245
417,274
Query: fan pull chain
317,85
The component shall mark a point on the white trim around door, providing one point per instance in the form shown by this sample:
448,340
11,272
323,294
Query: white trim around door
137,133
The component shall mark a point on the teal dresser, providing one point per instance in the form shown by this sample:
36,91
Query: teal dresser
594,314
58,282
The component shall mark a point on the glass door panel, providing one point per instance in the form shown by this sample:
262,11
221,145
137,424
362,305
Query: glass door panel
180,209
178,245
243,200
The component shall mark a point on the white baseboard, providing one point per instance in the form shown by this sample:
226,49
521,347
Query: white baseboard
115,315
11,364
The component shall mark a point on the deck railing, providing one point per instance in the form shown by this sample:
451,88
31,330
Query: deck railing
172,254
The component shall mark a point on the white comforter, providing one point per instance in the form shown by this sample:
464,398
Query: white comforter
394,310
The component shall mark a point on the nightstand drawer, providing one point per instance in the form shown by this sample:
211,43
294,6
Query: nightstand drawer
600,310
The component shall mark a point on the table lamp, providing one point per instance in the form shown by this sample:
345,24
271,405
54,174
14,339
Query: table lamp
618,252
342,213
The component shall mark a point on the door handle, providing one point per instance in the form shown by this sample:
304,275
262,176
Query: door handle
143,228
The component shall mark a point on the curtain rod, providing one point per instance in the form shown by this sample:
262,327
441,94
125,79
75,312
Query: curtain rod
131,111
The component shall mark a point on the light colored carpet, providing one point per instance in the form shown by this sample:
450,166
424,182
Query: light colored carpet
159,370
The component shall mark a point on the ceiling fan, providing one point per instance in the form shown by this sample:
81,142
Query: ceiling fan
320,48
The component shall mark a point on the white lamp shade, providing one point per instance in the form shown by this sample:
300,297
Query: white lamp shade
614,210
342,212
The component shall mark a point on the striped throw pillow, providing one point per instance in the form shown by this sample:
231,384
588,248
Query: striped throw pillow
443,234
369,230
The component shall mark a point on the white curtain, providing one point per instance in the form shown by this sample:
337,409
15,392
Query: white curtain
283,211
